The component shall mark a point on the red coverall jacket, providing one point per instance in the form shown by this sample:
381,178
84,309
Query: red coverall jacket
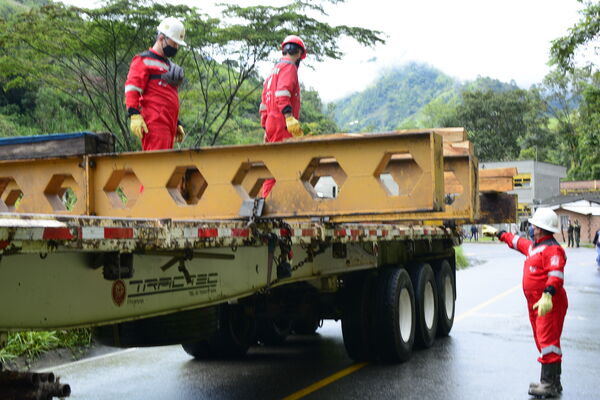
544,268
157,101
281,90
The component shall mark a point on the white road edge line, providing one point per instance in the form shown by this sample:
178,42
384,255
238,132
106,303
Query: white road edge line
86,360
485,304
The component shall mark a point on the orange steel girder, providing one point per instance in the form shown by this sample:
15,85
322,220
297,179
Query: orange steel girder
212,183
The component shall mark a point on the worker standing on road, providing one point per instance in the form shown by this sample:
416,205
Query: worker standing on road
280,105
577,232
543,278
151,89
570,235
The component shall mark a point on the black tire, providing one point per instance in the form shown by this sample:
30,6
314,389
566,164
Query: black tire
306,326
426,301
273,331
394,323
160,331
446,287
235,333
357,327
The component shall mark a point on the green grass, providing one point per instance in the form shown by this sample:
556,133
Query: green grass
32,344
461,260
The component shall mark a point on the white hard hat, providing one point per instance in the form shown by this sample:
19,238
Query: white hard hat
546,219
173,29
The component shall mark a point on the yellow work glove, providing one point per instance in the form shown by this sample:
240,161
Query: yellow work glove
544,304
180,134
138,126
293,126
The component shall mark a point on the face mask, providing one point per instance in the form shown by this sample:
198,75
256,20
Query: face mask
298,63
169,51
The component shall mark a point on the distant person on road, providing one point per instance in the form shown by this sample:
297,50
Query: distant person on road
280,105
596,242
530,231
577,232
474,232
570,234
543,279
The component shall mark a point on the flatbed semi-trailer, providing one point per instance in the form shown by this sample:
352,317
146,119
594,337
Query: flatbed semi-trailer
178,246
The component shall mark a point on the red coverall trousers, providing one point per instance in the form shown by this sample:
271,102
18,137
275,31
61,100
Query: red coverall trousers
544,267
157,101
281,91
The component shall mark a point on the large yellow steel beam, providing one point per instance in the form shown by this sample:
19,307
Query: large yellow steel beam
212,183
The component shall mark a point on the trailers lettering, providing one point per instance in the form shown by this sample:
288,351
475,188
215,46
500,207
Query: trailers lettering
198,284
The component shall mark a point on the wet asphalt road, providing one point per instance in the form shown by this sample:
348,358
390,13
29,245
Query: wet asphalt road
490,353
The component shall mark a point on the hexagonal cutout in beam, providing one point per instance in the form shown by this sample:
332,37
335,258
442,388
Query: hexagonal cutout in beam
61,192
249,179
10,195
323,178
123,188
186,185
398,173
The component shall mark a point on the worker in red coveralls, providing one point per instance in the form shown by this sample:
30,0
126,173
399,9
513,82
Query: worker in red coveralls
543,285
151,89
280,106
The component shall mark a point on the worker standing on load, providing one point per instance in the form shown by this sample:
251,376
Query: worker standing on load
280,105
151,89
543,279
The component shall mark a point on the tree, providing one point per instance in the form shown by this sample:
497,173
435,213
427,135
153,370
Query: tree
86,53
586,31
497,121
225,66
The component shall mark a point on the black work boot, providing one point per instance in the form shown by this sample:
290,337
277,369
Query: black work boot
549,386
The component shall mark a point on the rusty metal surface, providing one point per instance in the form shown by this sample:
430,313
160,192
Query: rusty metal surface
212,183
16,385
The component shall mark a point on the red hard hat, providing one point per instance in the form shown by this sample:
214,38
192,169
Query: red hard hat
297,40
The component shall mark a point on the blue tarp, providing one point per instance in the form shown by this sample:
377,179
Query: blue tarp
41,138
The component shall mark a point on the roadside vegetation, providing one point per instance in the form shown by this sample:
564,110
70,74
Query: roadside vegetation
461,260
31,344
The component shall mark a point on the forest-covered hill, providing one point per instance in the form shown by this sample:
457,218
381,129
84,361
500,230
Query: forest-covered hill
8,7
399,95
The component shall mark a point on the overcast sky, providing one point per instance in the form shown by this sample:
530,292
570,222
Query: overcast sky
502,39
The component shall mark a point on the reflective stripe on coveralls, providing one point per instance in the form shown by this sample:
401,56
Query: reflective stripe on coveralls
550,349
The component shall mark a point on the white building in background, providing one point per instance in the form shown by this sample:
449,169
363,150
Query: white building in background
535,182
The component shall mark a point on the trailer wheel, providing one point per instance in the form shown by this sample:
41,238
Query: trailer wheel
357,317
426,300
232,339
306,326
447,296
273,331
394,327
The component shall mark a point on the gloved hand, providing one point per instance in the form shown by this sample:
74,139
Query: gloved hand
138,126
180,134
293,126
544,304
499,234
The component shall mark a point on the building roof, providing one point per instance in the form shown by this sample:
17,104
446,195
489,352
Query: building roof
576,204
565,199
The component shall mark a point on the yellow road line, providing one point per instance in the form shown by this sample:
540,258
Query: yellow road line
485,304
324,382
353,368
